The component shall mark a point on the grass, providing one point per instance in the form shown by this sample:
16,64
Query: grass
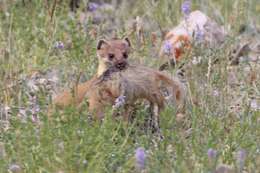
71,142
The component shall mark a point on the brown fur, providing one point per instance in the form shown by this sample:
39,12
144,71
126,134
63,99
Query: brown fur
112,53
116,47
74,97
134,82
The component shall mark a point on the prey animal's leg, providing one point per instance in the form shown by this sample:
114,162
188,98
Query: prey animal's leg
157,104
156,122
152,121
155,118
97,109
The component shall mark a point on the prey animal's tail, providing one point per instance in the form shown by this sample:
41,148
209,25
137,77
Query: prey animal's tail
74,97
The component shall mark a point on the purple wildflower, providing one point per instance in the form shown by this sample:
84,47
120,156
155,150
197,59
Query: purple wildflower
140,158
199,34
35,118
167,47
59,45
186,7
15,168
212,154
241,157
215,93
120,101
92,6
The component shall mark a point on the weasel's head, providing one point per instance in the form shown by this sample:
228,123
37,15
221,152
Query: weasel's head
114,53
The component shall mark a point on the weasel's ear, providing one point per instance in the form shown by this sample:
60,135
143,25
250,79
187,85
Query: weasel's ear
128,41
100,43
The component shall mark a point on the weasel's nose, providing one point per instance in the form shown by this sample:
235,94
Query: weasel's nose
121,65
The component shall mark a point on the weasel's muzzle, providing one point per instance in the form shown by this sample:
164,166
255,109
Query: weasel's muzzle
121,65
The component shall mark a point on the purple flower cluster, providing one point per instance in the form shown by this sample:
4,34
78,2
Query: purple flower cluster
186,7
212,154
14,168
59,45
92,6
140,158
120,101
241,157
167,47
199,35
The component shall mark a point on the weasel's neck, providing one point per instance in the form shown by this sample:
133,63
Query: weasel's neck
101,69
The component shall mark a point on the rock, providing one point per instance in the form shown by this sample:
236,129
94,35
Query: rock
197,27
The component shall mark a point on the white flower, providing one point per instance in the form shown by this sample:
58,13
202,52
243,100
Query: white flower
7,108
216,93
54,79
196,60
21,113
254,105
42,81
7,14
85,162
33,87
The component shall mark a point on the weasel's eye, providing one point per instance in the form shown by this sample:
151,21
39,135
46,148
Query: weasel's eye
125,55
111,56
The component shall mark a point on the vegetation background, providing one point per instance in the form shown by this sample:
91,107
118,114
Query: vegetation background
45,47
